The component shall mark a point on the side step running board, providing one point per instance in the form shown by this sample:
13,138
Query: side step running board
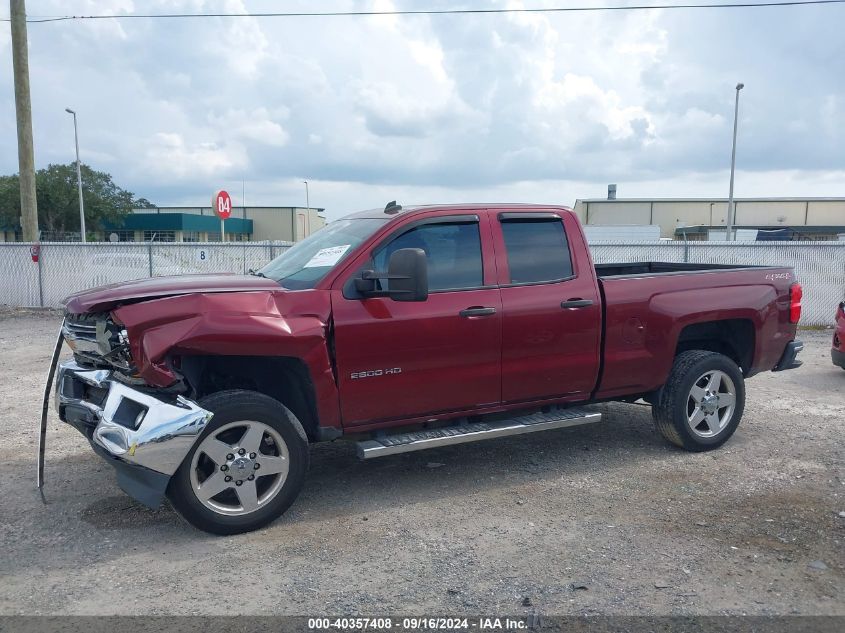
431,438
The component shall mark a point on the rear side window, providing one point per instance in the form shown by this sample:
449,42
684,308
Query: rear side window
537,250
453,252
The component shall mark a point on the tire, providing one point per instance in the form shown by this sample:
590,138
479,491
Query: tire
242,420
686,413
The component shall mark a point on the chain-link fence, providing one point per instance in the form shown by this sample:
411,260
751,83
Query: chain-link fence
20,277
65,268
819,266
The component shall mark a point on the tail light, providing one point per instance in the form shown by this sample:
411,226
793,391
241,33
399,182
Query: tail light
795,294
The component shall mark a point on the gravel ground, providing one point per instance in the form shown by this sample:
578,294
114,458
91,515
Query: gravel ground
604,519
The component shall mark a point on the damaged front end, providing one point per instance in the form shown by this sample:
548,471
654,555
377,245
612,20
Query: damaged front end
145,433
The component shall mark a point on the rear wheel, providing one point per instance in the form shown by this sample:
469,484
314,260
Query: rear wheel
246,468
702,402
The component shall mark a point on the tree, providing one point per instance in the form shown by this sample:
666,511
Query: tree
58,199
10,202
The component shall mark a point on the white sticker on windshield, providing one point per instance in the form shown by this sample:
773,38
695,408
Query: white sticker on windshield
327,256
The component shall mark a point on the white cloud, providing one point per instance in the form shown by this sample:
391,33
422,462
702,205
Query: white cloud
240,44
170,157
523,106
256,125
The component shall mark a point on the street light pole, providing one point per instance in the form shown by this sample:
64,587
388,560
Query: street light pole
78,177
731,208
307,209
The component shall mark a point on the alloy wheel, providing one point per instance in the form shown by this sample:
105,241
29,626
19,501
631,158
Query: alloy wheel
711,403
239,468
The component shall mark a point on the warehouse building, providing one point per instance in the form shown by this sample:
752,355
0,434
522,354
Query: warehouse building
200,224
704,218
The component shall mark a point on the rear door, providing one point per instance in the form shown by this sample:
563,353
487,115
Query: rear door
551,310
399,360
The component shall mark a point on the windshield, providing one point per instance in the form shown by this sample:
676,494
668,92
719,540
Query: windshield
307,262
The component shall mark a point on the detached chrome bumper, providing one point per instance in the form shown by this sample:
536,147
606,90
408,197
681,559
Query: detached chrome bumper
145,438
128,424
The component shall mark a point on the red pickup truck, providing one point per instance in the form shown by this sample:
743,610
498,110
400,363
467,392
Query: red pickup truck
403,329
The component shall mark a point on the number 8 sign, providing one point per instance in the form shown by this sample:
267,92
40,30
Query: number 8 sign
221,203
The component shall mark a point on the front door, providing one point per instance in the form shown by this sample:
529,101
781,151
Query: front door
398,360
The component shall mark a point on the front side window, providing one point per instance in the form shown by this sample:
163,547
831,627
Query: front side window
537,250
453,252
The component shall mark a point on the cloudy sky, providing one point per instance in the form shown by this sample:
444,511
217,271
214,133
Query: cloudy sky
516,107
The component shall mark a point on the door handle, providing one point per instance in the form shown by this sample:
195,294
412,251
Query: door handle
476,311
576,303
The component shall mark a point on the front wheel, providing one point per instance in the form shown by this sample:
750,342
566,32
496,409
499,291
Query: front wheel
702,402
246,468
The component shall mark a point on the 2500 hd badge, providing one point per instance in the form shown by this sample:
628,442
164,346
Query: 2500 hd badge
373,373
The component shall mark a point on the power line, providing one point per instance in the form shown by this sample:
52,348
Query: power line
309,14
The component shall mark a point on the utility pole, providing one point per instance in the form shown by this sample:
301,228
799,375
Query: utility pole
731,209
23,109
78,177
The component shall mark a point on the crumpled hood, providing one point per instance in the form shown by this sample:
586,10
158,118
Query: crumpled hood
107,297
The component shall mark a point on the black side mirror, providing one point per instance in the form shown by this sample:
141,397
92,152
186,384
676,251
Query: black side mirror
407,271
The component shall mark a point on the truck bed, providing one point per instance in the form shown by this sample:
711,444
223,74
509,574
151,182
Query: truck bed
661,268
647,305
